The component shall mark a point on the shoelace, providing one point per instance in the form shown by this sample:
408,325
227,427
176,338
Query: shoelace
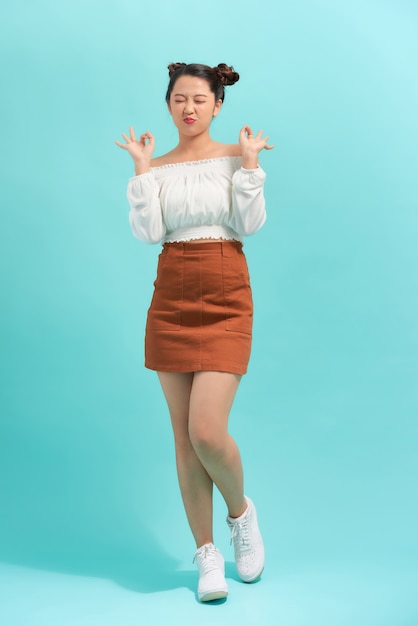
240,534
207,558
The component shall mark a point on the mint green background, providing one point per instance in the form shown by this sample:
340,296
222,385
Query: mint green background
91,524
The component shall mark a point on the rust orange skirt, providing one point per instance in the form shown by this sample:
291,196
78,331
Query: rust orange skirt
201,313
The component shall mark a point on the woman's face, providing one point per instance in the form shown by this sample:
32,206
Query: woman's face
192,105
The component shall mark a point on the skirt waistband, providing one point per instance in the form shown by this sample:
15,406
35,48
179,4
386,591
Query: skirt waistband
189,246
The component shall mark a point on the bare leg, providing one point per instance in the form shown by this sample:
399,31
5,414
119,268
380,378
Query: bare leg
211,399
196,486
199,406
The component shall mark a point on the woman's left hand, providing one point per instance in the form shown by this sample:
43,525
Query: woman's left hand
251,145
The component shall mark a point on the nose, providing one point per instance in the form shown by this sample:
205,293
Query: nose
188,107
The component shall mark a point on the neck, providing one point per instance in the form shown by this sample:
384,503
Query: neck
198,145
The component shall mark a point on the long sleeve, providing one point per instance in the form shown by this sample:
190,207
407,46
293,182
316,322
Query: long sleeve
145,216
248,204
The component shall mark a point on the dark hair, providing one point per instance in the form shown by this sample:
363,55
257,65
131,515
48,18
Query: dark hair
217,76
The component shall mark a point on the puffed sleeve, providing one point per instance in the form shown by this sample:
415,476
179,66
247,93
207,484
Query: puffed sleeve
145,216
248,204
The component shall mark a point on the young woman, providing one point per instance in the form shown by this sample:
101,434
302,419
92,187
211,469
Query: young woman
199,200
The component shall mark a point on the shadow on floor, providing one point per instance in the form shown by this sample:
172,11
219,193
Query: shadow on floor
143,566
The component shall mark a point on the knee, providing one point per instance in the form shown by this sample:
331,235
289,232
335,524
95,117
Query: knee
204,439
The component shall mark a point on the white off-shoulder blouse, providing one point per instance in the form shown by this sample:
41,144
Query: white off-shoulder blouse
212,198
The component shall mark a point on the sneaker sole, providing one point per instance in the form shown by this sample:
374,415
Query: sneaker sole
253,579
213,595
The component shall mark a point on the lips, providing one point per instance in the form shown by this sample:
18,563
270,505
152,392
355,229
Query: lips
189,120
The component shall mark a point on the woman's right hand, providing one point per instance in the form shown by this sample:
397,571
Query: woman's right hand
141,149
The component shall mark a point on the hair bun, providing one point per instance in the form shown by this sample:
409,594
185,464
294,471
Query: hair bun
173,67
226,74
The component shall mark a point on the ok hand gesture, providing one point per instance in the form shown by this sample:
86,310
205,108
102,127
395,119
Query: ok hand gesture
141,149
251,145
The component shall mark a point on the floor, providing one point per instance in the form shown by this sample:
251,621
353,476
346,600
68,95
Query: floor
333,580
310,595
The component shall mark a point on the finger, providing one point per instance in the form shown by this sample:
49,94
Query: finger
121,145
146,136
132,133
126,138
247,130
268,147
144,139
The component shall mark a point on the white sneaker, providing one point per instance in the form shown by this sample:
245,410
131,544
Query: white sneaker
211,566
248,544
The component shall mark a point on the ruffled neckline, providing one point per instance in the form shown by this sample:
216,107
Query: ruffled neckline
196,162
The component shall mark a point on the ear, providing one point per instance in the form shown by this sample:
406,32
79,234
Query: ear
217,108
169,107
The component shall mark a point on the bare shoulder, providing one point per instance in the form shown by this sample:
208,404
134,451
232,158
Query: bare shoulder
212,151
233,150
164,159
